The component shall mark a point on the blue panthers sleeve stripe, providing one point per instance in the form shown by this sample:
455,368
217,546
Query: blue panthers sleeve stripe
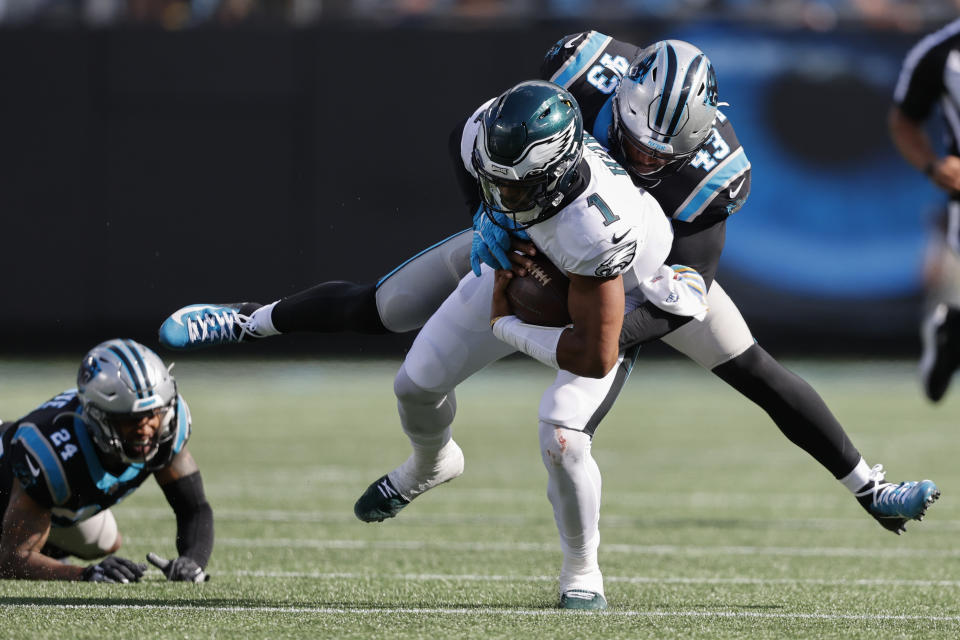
37,446
430,248
601,125
183,425
588,51
718,179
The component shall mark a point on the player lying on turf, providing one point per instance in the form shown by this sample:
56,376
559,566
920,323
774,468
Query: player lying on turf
64,464
699,174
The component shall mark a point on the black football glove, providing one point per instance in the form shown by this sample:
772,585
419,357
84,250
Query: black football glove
114,569
182,569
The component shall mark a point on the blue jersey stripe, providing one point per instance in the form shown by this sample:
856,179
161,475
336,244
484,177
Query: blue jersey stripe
586,53
100,477
35,444
406,262
718,180
601,124
183,425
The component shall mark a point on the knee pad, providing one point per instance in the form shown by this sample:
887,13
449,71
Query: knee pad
721,336
562,448
423,414
94,537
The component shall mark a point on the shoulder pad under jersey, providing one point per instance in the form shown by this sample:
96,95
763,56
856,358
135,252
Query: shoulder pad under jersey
714,183
589,65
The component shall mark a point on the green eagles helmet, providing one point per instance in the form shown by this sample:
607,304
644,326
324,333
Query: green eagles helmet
527,152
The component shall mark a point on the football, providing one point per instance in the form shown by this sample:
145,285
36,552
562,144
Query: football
540,297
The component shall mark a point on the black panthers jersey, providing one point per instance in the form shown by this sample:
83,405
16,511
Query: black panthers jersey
52,454
713,184
931,74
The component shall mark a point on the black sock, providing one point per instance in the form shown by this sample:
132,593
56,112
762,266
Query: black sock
330,307
795,407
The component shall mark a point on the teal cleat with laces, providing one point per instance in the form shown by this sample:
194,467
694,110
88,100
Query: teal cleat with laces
205,325
892,505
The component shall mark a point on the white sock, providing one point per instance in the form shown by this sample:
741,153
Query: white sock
858,477
261,321
427,467
580,568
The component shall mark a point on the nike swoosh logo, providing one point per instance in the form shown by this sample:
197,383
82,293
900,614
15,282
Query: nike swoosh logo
734,192
33,469
572,43
616,240
177,316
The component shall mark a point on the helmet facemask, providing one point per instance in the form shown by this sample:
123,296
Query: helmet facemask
109,430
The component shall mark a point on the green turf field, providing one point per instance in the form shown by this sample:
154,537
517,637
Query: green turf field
714,525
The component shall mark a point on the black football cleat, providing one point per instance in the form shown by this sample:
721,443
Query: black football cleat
379,502
940,334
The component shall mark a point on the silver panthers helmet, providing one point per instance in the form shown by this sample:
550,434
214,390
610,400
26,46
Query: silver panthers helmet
122,380
664,108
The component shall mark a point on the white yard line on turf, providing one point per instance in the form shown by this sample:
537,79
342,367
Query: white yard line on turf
199,606
634,549
468,577
298,516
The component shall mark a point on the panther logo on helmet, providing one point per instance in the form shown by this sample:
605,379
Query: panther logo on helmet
89,368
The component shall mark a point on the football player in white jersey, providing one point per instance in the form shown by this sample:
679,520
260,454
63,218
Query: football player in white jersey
581,209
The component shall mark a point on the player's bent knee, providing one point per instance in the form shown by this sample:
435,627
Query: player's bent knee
424,414
94,537
561,447
409,392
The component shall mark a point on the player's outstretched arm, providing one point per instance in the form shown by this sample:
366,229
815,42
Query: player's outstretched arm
26,526
183,487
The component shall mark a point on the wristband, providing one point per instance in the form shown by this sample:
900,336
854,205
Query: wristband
537,342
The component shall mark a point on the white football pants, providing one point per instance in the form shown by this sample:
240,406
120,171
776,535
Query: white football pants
95,537
457,342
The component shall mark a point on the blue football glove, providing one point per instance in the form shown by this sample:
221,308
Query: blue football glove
491,242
